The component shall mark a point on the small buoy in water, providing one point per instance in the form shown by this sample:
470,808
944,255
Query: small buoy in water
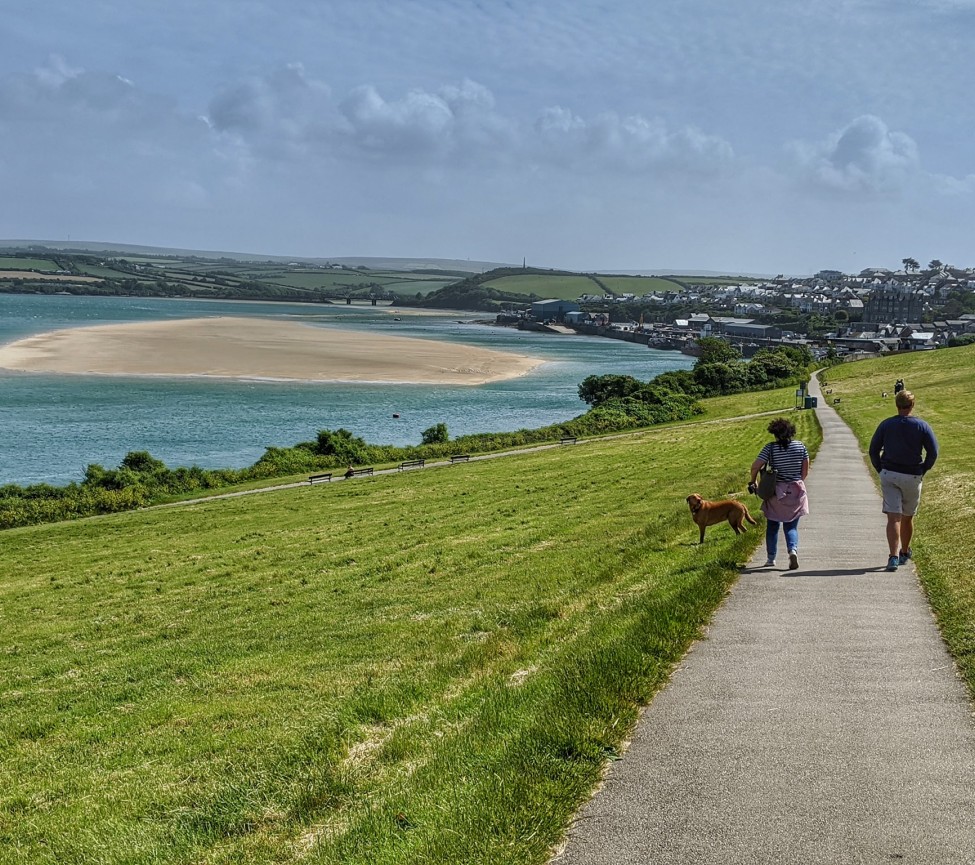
395,415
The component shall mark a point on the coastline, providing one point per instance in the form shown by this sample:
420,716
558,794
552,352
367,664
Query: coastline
258,349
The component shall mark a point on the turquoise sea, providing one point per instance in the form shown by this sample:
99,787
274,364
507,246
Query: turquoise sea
52,426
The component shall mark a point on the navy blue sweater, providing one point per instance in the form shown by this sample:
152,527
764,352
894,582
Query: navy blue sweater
898,442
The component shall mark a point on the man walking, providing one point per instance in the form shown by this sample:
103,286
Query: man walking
896,453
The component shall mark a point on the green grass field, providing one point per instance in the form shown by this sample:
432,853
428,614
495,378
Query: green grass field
943,383
546,287
337,280
431,667
715,280
42,264
108,272
639,285
740,404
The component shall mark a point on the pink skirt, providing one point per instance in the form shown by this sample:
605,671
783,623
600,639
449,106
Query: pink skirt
788,503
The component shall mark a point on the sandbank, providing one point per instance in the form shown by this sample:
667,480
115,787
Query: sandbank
256,348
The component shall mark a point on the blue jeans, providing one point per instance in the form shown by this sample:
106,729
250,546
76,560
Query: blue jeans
772,536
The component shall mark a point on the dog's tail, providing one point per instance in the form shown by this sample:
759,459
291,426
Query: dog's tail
748,517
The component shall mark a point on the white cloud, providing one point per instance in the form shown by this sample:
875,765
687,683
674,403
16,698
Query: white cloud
85,148
627,144
863,157
953,186
288,113
455,125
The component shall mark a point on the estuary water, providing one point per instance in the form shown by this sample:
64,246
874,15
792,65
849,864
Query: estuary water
53,426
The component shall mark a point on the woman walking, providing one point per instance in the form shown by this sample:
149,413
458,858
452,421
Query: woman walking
789,459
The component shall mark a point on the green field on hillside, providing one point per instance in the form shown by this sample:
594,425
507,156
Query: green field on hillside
754,402
546,287
639,285
715,280
338,280
42,264
112,273
429,667
943,383
325,279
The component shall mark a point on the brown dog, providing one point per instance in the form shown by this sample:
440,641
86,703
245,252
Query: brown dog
707,513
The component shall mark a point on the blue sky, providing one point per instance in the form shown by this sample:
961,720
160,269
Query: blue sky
760,137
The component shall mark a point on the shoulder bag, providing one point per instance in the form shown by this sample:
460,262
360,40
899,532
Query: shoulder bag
766,478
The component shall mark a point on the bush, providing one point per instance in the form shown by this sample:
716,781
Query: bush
721,378
597,389
435,435
964,339
287,461
343,447
680,380
142,461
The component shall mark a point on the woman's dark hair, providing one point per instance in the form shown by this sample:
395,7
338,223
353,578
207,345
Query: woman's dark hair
783,430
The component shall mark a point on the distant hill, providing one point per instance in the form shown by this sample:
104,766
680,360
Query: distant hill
375,263
518,286
465,265
508,286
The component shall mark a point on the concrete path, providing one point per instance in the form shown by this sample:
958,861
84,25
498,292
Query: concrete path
820,721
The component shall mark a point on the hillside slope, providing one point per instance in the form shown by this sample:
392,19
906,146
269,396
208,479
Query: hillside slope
427,667
943,383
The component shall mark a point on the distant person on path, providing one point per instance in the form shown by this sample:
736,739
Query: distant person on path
896,453
789,459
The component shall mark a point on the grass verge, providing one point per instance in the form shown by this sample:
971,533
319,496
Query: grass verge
943,383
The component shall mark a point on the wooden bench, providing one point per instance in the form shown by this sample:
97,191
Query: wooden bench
357,473
315,478
460,458
568,440
412,464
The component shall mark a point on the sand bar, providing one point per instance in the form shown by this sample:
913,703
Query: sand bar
259,348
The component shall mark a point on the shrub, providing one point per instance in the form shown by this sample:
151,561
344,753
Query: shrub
287,461
721,378
597,389
680,380
435,435
964,339
142,461
343,447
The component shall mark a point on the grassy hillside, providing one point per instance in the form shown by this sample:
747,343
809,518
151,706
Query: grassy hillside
225,278
427,667
943,383
12,263
639,285
517,286
564,287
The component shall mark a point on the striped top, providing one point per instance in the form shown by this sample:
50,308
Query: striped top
787,462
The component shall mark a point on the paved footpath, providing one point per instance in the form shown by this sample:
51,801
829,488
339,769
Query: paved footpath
821,720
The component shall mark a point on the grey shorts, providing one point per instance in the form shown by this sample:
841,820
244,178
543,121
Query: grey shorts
902,493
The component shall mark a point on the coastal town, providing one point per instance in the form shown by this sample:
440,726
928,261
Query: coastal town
876,311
